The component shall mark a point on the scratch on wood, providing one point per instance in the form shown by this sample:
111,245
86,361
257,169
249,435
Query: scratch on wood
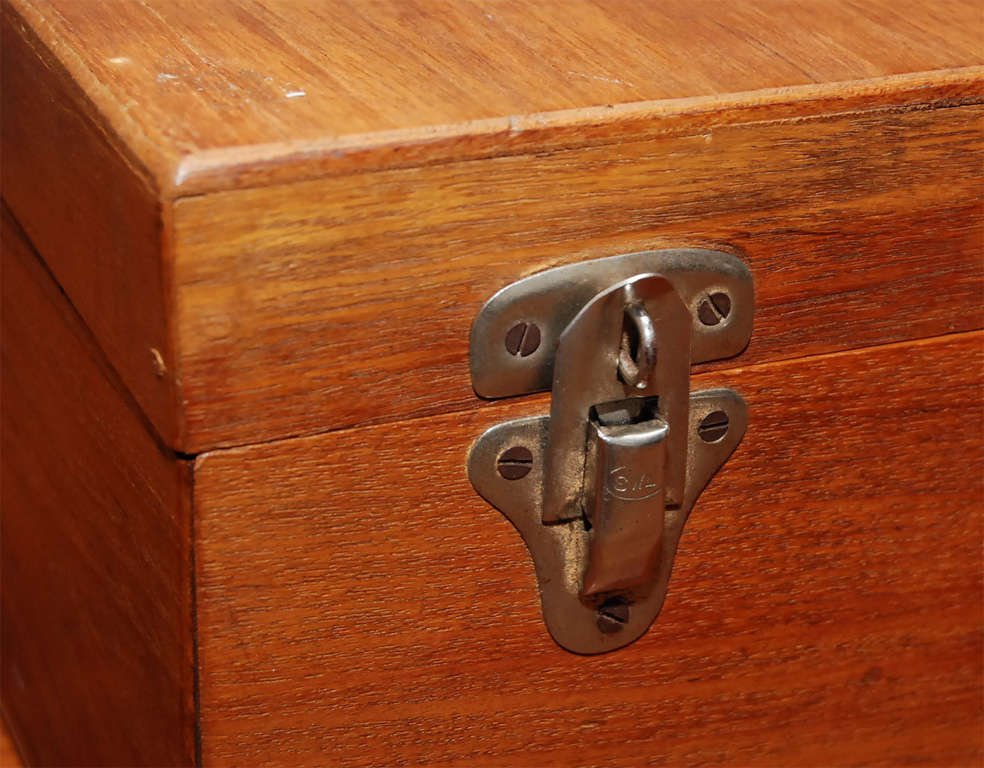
604,79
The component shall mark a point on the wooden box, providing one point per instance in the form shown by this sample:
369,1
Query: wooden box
243,246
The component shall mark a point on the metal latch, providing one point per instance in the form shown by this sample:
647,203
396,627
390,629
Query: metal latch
601,488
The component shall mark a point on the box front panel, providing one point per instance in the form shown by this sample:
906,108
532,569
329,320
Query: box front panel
359,604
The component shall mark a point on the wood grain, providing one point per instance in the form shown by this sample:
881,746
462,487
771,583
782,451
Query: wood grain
95,610
349,300
9,757
298,207
359,604
283,309
91,212
176,79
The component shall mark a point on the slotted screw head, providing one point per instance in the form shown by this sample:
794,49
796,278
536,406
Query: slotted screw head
523,339
713,426
612,616
714,308
515,463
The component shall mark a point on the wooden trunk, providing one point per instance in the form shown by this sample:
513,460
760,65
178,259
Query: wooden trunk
243,245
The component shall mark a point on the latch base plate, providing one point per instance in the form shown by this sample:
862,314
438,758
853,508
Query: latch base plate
560,551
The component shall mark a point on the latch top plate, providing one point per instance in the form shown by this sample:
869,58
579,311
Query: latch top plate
601,503
548,301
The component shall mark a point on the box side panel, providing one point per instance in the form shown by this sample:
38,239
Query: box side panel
92,214
349,300
359,604
96,574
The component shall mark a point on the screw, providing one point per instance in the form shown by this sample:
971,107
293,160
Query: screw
523,339
714,308
612,615
515,462
713,426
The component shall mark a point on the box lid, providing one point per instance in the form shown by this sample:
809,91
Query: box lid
206,94
234,194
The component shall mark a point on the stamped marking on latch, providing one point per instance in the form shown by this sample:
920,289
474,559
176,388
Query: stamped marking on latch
621,486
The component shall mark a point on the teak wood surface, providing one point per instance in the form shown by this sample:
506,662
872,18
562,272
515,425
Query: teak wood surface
236,527
356,595
250,251
349,300
95,549
198,92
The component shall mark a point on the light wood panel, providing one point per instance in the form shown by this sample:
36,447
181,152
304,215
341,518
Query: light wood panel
95,572
177,78
359,604
349,300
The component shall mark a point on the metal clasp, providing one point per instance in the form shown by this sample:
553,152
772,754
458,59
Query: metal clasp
601,488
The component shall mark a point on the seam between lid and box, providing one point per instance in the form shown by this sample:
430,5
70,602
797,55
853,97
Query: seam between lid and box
539,402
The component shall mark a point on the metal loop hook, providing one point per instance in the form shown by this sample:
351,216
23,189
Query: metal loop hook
637,352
